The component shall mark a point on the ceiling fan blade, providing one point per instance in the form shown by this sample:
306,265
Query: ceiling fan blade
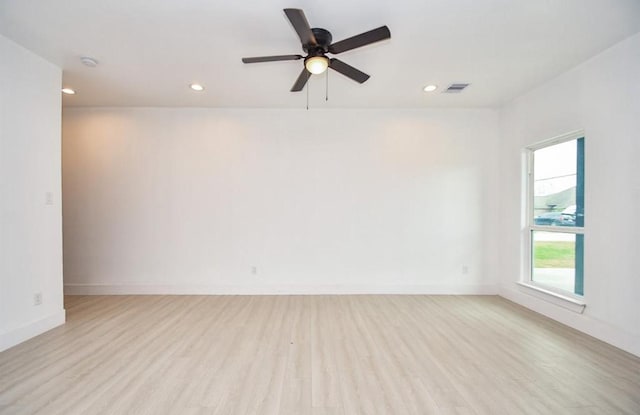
301,81
272,58
363,39
348,70
301,25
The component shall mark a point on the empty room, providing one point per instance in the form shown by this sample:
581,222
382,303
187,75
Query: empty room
322,208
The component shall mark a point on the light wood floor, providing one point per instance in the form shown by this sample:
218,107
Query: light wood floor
314,355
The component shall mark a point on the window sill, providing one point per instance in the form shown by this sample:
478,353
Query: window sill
564,301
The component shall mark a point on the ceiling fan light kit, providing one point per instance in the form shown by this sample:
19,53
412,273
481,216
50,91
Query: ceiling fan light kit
316,43
316,64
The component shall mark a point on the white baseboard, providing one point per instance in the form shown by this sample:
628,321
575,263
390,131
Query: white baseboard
277,289
17,336
582,322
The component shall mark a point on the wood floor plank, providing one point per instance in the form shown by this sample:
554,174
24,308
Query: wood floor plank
313,355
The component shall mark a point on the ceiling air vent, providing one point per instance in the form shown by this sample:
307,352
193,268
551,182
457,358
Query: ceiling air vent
455,88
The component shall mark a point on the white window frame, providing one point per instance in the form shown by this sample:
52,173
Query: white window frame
531,226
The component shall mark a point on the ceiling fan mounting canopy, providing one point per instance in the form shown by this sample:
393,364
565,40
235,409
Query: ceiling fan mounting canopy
316,42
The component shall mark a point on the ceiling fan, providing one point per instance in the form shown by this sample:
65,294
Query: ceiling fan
316,43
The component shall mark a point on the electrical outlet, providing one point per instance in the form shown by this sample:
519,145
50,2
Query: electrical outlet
37,298
254,270
465,269
48,198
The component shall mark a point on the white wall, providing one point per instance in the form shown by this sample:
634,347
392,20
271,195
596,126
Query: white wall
30,229
321,201
602,97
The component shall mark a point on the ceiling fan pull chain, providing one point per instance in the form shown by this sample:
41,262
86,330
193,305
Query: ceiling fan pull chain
326,92
307,88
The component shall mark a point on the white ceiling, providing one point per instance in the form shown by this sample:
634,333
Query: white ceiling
150,51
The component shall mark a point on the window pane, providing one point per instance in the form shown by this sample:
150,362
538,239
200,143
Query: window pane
554,261
555,183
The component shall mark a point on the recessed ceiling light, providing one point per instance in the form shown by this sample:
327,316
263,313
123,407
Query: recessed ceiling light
68,91
430,88
196,87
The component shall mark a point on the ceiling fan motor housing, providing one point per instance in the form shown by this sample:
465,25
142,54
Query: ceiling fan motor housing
323,39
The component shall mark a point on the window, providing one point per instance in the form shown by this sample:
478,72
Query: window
556,214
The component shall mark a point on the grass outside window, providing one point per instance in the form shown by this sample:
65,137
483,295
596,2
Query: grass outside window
554,254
